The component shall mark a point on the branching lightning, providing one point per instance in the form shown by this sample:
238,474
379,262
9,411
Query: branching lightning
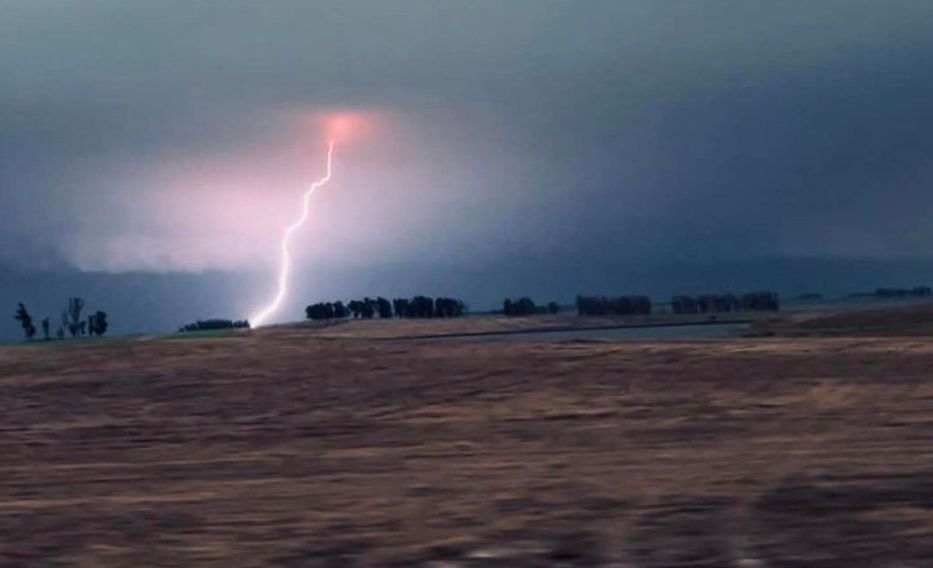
262,315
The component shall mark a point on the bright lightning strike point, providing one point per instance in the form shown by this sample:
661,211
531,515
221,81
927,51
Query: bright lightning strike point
262,315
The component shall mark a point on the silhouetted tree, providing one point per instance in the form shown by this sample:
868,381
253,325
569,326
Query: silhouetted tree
448,308
684,305
401,308
368,308
321,311
422,307
340,311
384,307
45,328
72,316
553,307
718,303
621,305
417,307
97,323
760,301
25,321
521,307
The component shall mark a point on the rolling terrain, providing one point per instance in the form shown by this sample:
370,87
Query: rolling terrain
296,446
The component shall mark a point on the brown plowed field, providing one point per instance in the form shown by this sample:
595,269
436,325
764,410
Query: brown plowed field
283,448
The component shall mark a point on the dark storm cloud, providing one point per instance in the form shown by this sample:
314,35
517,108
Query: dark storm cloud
556,132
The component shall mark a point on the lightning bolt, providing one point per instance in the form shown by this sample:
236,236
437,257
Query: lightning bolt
260,317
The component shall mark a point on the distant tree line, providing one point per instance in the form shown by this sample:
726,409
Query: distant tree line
71,321
368,308
620,305
211,324
917,292
525,306
717,303
326,311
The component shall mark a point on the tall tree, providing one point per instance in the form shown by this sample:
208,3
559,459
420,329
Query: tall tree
401,307
384,307
340,311
25,321
97,323
368,307
72,316
45,328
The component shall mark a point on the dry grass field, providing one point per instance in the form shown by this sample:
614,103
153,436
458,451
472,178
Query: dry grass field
496,324
293,447
890,321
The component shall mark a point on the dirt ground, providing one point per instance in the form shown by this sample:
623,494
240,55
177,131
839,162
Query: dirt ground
286,448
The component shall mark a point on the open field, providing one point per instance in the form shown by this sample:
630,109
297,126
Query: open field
496,324
905,320
292,447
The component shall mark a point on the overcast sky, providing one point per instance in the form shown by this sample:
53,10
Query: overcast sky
552,147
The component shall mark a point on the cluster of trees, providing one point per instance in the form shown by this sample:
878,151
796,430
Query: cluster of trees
621,305
520,307
714,303
71,321
368,308
641,305
915,292
525,306
326,311
424,307
205,325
